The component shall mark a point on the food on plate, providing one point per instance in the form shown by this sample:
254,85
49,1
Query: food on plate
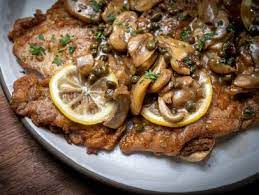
82,100
161,76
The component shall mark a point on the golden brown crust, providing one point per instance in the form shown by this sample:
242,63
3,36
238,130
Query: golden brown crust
31,98
53,26
224,117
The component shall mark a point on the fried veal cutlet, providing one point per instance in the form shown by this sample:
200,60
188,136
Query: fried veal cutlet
140,36
31,98
194,141
56,34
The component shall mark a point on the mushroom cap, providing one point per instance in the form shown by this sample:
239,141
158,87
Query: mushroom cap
122,27
83,10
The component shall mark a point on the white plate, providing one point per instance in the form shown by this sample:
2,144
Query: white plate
233,160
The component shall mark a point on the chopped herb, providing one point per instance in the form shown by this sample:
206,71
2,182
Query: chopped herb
201,44
248,113
53,38
60,50
187,60
99,36
111,18
202,41
37,50
191,65
151,75
96,6
41,37
208,36
65,40
185,34
125,7
57,61
231,28
71,49
119,23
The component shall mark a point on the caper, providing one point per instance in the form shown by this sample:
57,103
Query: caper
249,113
104,70
107,31
111,84
134,79
156,17
92,78
167,57
106,48
94,52
93,46
190,106
162,50
101,27
151,44
140,30
109,93
104,58
97,71
139,127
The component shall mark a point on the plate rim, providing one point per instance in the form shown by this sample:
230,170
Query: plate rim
86,172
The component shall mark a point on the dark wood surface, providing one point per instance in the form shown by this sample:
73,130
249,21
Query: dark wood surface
27,168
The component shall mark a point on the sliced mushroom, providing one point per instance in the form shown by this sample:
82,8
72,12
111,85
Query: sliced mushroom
184,81
182,96
162,80
118,67
85,64
234,90
123,26
137,48
84,10
216,66
122,99
167,114
220,68
138,92
113,9
147,64
247,81
178,50
207,10
143,5
249,10
168,97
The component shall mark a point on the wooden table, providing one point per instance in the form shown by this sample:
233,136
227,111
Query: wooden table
27,168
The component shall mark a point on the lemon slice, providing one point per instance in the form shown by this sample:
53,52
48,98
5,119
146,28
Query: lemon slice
79,100
153,116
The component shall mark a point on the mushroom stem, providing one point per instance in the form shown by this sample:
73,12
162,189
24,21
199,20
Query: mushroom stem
167,114
119,116
247,81
161,81
138,92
